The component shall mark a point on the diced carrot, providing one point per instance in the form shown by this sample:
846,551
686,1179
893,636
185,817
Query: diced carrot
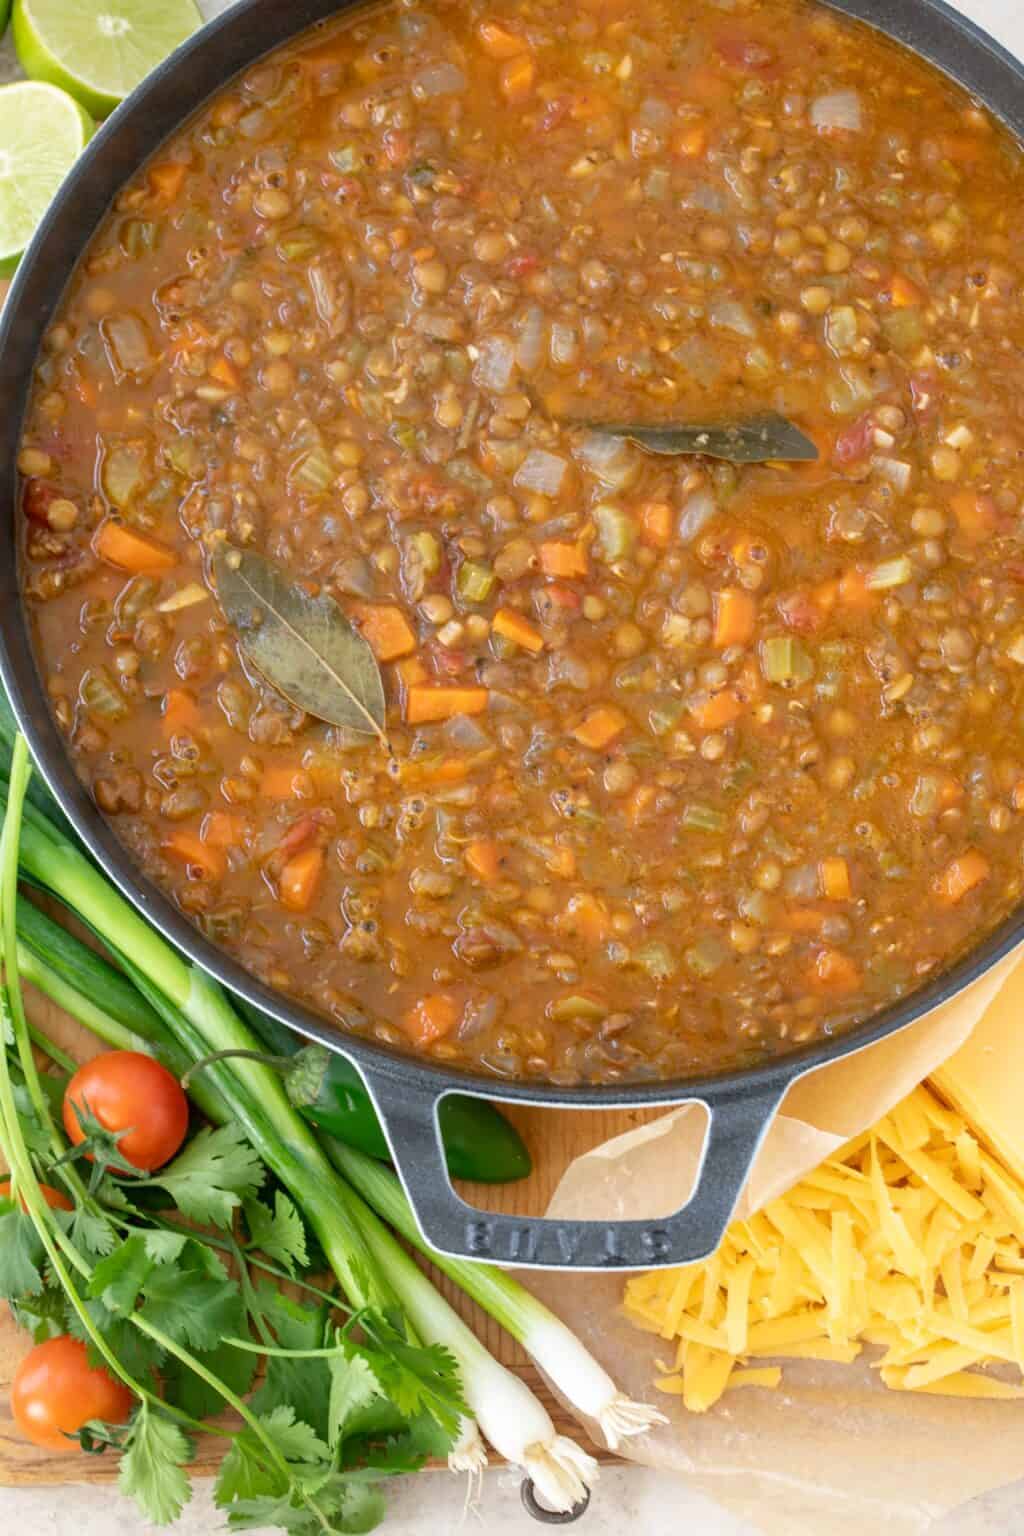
854,592
499,41
452,770
691,141
411,670
131,550
189,849
564,561
279,783
516,78
601,726
803,919
975,514
585,917
835,879
961,875
386,630
834,972
656,523
424,703
483,859
224,372
300,878
735,614
719,710
512,626
903,294
224,829
167,179
180,712
951,791
431,1019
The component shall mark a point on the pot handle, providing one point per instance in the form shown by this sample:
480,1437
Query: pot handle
736,1128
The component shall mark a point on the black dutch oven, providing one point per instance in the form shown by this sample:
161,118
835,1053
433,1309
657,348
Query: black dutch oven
406,1091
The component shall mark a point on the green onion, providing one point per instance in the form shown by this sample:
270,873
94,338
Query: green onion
616,531
575,1373
475,582
784,660
702,818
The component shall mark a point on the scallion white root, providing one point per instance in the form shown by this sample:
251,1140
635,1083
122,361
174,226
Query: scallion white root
510,1416
570,1367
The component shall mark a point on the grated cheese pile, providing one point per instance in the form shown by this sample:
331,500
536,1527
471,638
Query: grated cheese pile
912,1239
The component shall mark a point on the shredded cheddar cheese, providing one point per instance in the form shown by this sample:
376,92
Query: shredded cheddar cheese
911,1240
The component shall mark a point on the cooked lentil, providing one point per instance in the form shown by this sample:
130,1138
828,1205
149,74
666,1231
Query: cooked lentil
711,761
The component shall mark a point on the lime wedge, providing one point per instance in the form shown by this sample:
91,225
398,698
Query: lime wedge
42,132
99,50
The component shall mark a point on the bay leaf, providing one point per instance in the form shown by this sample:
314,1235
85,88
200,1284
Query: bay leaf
749,440
304,646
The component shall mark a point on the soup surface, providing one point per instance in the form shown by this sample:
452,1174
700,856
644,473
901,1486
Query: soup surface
686,762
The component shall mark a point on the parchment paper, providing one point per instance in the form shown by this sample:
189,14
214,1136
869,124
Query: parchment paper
831,1452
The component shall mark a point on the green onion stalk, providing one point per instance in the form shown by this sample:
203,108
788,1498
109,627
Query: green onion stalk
187,1019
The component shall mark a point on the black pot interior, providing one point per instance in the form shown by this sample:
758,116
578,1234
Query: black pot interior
232,43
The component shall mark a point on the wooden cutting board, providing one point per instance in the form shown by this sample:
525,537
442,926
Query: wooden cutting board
554,1137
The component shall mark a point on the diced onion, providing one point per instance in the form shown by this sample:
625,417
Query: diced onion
542,472
495,364
730,315
438,80
530,345
894,470
698,510
608,458
565,344
837,109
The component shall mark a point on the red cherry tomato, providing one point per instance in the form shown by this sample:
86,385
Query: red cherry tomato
53,1197
55,1391
127,1091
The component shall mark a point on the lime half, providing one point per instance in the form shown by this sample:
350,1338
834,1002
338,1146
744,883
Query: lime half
42,132
99,50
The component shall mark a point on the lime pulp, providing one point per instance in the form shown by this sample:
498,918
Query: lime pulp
42,132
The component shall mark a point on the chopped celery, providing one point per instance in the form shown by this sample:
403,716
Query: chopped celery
891,573
701,818
314,471
429,551
616,531
298,245
784,660
475,582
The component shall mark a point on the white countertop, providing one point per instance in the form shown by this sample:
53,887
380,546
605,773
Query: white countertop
651,1503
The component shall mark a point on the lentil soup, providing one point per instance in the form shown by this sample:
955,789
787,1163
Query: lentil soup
686,762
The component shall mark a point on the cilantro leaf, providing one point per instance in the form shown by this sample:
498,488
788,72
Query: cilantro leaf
295,1440
277,1511
360,1508
236,1368
190,1304
216,1171
91,1231
164,1247
152,1466
280,1233
304,1384
35,1135
41,1315
353,1388
118,1278
417,1378
245,1473
21,1254
139,1354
